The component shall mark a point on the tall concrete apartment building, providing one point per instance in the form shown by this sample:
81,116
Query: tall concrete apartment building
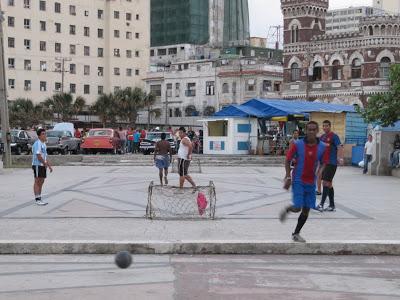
391,6
86,47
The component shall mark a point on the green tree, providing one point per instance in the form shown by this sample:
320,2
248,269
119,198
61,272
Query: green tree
64,105
385,108
105,108
24,113
209,110
129,102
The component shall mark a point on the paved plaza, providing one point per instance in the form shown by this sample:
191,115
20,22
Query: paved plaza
200,277
108,203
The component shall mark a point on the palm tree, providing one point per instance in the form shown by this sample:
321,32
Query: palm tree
64,105
105,108
24,113
129,102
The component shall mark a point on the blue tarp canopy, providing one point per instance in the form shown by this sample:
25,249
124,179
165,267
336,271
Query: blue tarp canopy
269,108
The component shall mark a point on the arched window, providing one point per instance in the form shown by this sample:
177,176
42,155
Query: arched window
225,88
371,30
317,71
336,70
384,67
294,32
356,68
294,72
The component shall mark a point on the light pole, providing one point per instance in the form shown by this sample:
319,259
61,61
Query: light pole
5,124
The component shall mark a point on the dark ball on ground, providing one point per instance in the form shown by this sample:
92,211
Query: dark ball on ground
123,259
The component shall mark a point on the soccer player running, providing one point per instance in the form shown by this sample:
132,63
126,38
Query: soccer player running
330,162
40,164
307,152
163,157
184,158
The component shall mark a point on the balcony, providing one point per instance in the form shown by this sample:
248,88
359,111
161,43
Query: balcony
190,93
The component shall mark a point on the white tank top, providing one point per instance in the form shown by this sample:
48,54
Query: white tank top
183,149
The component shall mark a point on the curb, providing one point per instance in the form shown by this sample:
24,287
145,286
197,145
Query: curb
202,247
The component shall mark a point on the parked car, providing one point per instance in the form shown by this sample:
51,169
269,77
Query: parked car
147,145
62,142
98,140
19,142
32,139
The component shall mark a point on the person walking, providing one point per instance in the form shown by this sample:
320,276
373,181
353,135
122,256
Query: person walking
163,157
307,152
333,151
122,139
368,149
136,141
40,163
395,155
184,158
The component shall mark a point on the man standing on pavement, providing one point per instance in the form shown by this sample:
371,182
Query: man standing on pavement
333,151
129,135
136,141
163,157
307,153
368,148
184,158
39,165
295,137
122,139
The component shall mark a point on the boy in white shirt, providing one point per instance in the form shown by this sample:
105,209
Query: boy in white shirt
368,148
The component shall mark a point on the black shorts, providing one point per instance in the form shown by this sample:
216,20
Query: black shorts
328,173
183,167
39,171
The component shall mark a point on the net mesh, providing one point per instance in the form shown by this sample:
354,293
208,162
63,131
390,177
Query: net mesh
195,166
169,202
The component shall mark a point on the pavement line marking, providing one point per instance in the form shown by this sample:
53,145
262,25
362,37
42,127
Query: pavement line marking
353,212
111,198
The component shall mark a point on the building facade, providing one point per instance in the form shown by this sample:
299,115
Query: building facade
348,19
345,67
86,47
392,6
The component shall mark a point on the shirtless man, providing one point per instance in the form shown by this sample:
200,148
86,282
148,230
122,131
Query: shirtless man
163,157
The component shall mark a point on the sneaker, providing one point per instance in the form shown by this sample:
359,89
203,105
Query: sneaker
297,238
330,209
318,193
41,203
166,180
283,215
320,208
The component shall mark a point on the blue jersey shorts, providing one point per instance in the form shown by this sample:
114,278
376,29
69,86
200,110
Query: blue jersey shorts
304,195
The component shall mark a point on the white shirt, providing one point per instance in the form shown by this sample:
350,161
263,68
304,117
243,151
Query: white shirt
368,147
38,148
183,149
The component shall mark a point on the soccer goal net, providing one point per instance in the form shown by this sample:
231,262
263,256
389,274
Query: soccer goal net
195,166
170,202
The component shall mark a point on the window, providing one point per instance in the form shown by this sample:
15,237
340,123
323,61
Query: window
11,83
27,64
169,89
100,90
11,63
100,52
137,35
42,25
172,51
42,5
116,71
11,21
116,33
58,27
177,89
129,72
136,53
294,34
72,29
100,71
267,85
128,53
225,88
137,17
42,46
128,35
27,3
86,31
57,67
11,42
100,33
356,68
317,71
57,7
128,16
137,72
72,49
27,85
161,52
72,10
294,72
191,89
86,89
57,86
43,66
384,67
116,52
155,90
86,51
57,47
86,13
27,23
86,70
116,14
10,2
251,85
100,14
43,86
185,66
27,44
117,89
72,68
336,70
210,88
72,88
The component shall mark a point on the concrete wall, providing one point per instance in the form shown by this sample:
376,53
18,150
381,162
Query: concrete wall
381,157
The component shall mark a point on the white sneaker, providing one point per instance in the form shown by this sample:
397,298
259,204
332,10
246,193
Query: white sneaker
298,238
41,203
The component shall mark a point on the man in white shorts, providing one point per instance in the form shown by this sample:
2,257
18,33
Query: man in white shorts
184,158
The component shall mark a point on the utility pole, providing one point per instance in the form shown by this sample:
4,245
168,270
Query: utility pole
5,124
166,105
63,60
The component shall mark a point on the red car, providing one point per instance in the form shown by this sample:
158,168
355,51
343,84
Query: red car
98,140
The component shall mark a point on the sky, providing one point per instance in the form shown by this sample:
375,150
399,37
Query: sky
265,13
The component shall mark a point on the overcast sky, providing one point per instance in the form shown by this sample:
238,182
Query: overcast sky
265,13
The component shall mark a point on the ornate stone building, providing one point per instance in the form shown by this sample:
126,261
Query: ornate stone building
345,67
